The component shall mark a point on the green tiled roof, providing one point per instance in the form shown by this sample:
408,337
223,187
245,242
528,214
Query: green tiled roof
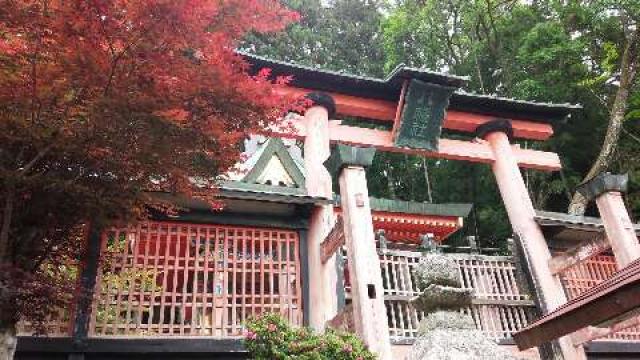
247,188
586,223
413,207
243,190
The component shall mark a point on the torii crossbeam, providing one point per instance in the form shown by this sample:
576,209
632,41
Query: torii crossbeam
382,101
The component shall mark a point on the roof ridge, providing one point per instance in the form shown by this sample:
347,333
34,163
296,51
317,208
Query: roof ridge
403,72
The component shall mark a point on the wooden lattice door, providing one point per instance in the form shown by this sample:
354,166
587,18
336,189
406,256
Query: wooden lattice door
180,279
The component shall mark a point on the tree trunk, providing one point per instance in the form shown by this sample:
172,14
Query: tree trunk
391,185
426,179
628,69
7,214
8,339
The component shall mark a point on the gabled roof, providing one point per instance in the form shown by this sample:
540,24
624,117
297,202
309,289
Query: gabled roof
274,149
389,89
273,171
405,221
250,183
587,223
272,164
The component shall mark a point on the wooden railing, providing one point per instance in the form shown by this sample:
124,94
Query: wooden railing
178,279
586,275
500,306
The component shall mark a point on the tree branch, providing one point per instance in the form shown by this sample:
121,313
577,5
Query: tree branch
37,158
631,135
628,70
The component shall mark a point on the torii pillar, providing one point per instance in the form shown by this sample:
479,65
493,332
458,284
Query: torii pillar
365,275
521,214
323,303
607,190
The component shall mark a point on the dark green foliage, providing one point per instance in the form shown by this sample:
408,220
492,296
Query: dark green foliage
628,156
340,35
271,338
545,51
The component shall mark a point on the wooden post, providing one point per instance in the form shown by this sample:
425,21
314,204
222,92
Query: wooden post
607,190
521,215
367,293
322,295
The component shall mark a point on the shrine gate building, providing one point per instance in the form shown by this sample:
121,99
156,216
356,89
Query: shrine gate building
300,235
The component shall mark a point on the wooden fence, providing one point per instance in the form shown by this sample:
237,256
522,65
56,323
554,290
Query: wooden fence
500,306
586,275
178,279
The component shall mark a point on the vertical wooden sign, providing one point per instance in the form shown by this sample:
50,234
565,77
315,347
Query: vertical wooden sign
422,115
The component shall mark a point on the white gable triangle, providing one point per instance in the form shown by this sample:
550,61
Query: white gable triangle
276,174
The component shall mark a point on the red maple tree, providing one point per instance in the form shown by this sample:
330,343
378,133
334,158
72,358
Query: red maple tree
101,100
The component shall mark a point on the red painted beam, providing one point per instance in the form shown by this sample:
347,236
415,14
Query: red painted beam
334,240
351,105
455,120
449,149
611,299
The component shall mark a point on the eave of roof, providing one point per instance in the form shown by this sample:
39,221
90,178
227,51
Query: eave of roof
419,208
389,89
584,223
608,300
242,190
245,191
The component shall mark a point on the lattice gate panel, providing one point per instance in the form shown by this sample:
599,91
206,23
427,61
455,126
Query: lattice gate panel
490,277
178,279
403,319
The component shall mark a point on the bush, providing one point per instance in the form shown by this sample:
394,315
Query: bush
270,337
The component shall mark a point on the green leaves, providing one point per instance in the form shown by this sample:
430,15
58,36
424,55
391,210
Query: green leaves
342,35
270,337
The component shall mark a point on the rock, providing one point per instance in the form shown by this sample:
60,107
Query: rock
447,344
438,297
453,320
445,333
343,321
437,269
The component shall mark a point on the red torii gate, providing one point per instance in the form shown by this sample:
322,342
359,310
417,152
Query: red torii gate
492,121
